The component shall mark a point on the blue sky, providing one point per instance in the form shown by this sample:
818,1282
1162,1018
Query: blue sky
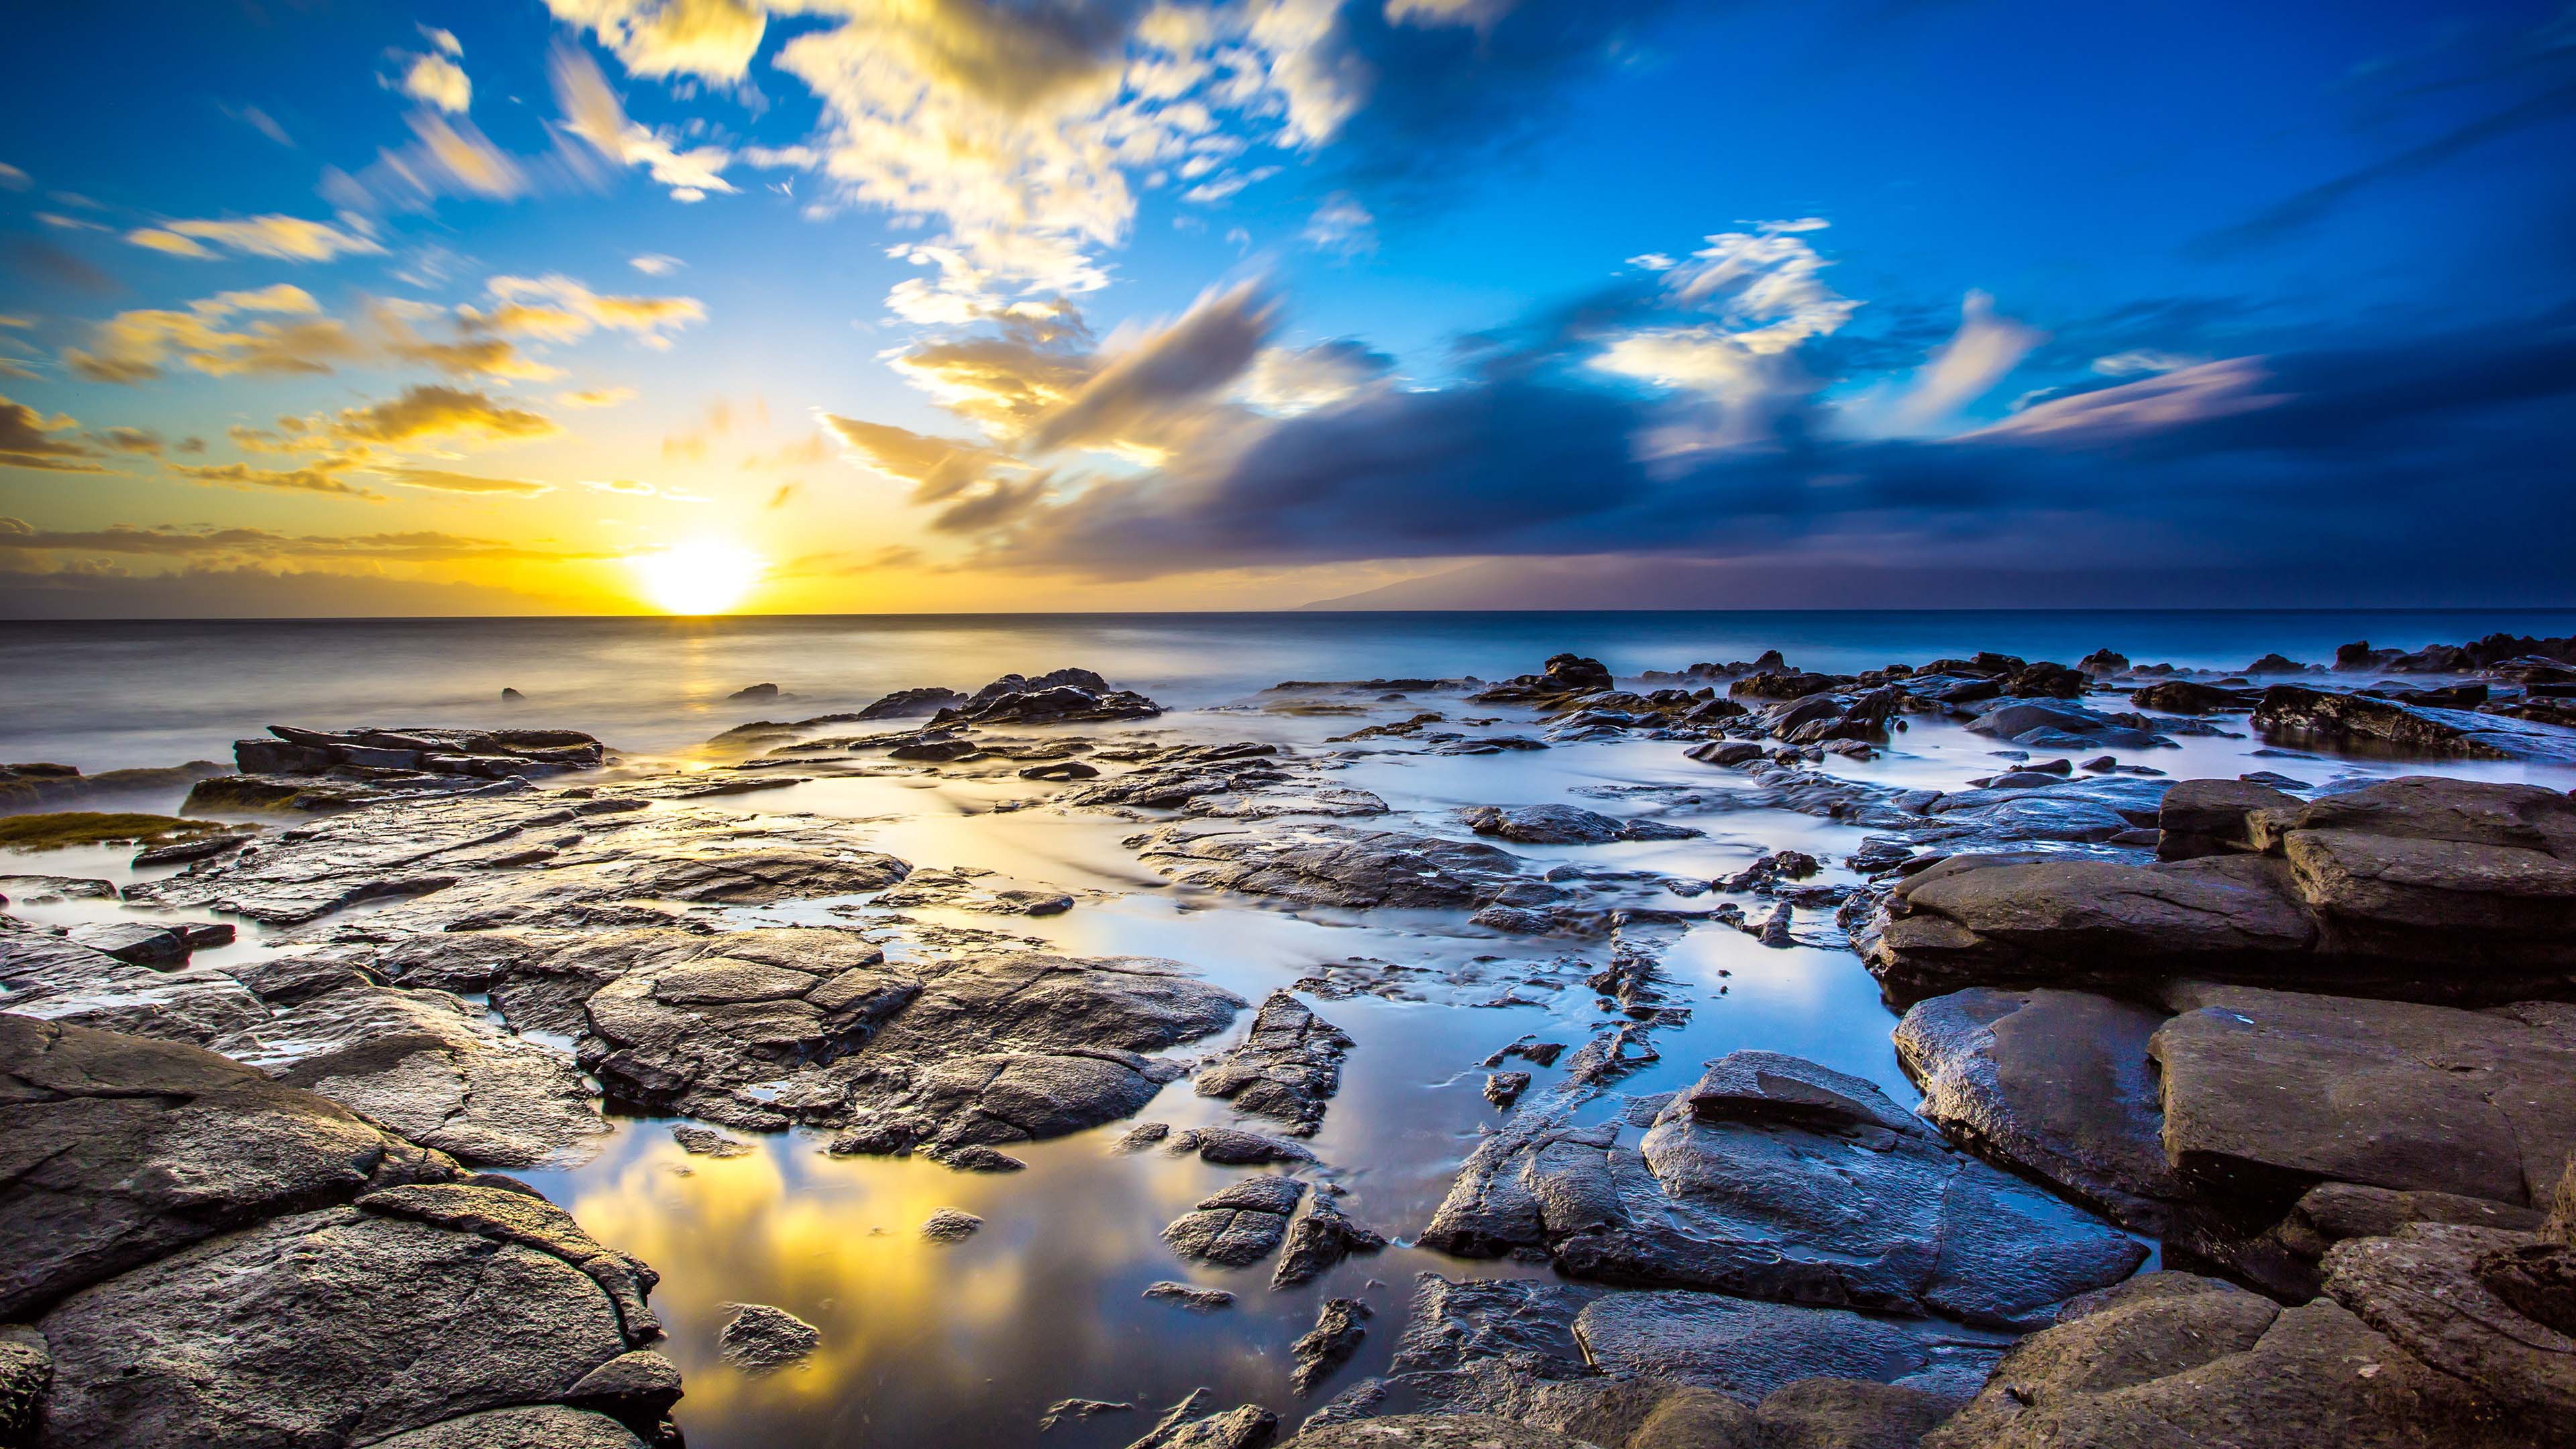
503,307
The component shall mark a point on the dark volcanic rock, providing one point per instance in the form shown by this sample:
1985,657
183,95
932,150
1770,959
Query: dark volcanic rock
2418,887
1339,1327
761,1339
57,979
1774,1177
1239,1225
1565,825
2297,714
2056,1085
2173,1359
1334,865
906,703
1191,1424
1320,1237
1287,1066
1065,696
1190,1296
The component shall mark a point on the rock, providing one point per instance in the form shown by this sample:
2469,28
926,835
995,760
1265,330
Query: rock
2418,888
1079,1411
1288,1064
2173,1359
1504,1088
2183,696
434,1069
1329,1344
637,1387
1726,753
1432,1431
140,942
546,1426
2433,1289
950,1225
1190,1296
1238,1226
2295,714
1777,1178
1062,697
2214,817
26,1376
2266,1093
2054,1085
975,1157
1331,865
121,1150
759,1339
1564,825
1232,1147
1599,1363
53,978
1061,770
708,1142
909,703
69,887
1189,1425
753,692
290,1326
1320,1237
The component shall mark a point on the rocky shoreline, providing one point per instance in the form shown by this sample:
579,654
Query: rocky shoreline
2315,1044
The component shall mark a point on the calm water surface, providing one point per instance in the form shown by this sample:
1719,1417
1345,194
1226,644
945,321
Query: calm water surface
967,1344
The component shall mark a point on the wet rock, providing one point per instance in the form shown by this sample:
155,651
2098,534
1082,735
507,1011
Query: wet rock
120,1150
1320,1237
55,979
61,887
546,1426
753,692
1504,1088
1189,1424
1777,1178
1239,1225
140,942
1331,865
2214,817
1288,1065
1429,1431
2417,887
1564,825
26,1376
950,1225
2171,1359
1598,1363
908,703
708,1142
1062,697
290,1324
2055,1085
1141,1136
1189,1296
1726,753
432,1068
1339,1327
1061,770
1232,1147
1079,1411
2184,696
975,1157
2296,714
758,1338
2052,724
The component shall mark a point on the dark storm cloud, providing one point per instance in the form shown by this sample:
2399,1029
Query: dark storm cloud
2378,455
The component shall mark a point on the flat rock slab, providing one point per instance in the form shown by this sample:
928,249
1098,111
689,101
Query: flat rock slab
2057,1085
2266,1093
1775,1178
53,978
2424,1287
290,1325
546,1426
1329,865
2169,1358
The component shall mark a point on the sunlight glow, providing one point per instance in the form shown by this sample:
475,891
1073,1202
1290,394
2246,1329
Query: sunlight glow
698,576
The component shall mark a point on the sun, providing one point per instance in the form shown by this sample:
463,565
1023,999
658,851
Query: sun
698,576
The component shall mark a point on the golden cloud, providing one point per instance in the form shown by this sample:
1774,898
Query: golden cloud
27,441
429,410
287,238
317,477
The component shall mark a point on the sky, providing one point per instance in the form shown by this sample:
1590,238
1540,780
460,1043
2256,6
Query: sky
339,307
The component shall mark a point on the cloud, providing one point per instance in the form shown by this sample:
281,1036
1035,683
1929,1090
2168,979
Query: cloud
1968,366
439,480
288,238
2183,396
439,412
1296,380
555,308
593,112
627,486
458,159
262,122
13,179
1136,391
596,397
27,441
130,440
252,592
438,81
134,347
319,477
937,468
654,264
711,38
1342,225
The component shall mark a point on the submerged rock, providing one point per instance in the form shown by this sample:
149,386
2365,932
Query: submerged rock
1339,1327
758,1338
1777,1178
1190,1424
1238,1226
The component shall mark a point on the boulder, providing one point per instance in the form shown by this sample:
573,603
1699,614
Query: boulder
1320,1237
2296,714
1288,1064
1339,1327
759,1339
2169,1358
2184,696
1239,1225
1776,1178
